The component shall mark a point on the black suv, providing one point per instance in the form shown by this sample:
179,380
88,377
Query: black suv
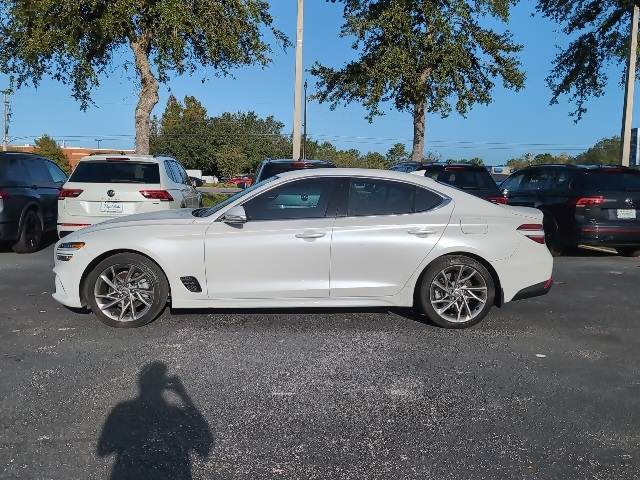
271,167
29,189
406,166
593,205
473,179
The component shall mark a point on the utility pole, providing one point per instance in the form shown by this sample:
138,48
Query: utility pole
5,122
298,83
627,113
304,134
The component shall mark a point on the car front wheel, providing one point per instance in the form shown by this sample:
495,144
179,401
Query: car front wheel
456,292
126,290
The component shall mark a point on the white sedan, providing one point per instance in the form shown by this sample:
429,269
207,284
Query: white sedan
321,238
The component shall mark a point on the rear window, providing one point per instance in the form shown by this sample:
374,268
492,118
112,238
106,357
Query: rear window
116,172
611,180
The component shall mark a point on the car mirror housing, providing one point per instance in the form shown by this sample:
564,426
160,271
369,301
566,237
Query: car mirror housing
235,215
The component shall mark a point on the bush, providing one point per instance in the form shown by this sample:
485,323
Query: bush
211,199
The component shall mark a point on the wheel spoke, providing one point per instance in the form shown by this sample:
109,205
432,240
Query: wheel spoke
458,293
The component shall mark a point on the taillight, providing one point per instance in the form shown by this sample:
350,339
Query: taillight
162,195
69,193
498,200
534,231
117,159
4,195
301,164
584,201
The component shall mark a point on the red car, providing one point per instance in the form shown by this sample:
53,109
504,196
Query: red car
241,182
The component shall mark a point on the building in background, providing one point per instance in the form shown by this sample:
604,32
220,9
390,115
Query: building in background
74,154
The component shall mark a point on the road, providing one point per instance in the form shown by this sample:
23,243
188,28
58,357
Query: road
545,388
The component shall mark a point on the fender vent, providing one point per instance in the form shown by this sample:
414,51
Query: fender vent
191,283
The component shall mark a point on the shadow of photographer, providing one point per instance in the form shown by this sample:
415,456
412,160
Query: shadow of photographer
152,437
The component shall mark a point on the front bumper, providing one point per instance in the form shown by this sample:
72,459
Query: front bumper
68,276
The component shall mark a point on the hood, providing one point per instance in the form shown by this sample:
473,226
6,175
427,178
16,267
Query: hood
176,216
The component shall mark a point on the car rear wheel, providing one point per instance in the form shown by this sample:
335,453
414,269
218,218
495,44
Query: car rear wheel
456,292
30,234
126,290
629,251
551,235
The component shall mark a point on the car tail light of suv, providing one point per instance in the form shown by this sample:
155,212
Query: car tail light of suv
501,200
69,193
534,231
162,195
4,195
586,201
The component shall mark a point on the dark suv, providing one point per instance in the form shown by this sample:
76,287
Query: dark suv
271,167
29,189
593,205
473,179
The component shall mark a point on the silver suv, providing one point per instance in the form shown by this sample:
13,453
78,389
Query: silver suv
105,186
29,188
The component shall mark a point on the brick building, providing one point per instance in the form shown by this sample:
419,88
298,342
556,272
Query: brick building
74,154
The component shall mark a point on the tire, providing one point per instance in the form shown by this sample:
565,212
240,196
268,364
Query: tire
551,235
126,290
456,292
30,237
633,251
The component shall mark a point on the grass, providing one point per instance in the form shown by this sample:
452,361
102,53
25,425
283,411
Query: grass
211,199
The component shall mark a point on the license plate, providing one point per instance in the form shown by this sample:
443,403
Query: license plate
111,207
626,213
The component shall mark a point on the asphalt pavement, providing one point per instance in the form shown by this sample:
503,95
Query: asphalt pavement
545,388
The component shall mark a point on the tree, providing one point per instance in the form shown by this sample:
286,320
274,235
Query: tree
76,41
184,132
398,153
600,37
605,152
47,147
230,160
421,55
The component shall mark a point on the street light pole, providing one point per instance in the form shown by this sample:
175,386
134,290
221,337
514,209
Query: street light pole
5,126
298,83
627,113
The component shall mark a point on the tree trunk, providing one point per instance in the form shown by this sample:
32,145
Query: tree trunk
148,97
419,121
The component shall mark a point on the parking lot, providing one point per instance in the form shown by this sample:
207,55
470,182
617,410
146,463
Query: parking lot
544,388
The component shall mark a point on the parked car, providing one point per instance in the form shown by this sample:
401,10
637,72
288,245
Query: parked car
471,178
196,182
594,205
29,189
271,167
242,181
406,166
106,186
350,237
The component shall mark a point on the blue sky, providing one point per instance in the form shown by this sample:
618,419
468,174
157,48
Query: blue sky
514,124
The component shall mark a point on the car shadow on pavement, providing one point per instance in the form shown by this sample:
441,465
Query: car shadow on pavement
48,239
153,435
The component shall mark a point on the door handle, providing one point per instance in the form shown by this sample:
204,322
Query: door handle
422,231
310,235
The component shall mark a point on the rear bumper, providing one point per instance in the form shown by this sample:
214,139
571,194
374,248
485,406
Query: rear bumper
536,290
608,235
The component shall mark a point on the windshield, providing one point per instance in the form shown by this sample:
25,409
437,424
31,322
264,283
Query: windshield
205,212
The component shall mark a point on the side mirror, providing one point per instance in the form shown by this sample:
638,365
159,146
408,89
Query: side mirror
235,215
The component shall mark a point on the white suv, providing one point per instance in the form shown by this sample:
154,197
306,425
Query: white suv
104,186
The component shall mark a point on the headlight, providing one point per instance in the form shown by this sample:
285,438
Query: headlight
66,256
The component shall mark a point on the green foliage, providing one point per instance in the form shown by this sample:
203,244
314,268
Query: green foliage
600,34
211,199
76,41
184,132
605,152
538,159
47,147
230,160
398,153
474,160
422,56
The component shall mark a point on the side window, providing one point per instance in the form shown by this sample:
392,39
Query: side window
16,173
426,200
56,172
379,197
38,171
173,175
181,172
513,183
559,181
538,179
305,198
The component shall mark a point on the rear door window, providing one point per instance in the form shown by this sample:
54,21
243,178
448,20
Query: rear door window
56,172
40,174
610,180
116,172
383,197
